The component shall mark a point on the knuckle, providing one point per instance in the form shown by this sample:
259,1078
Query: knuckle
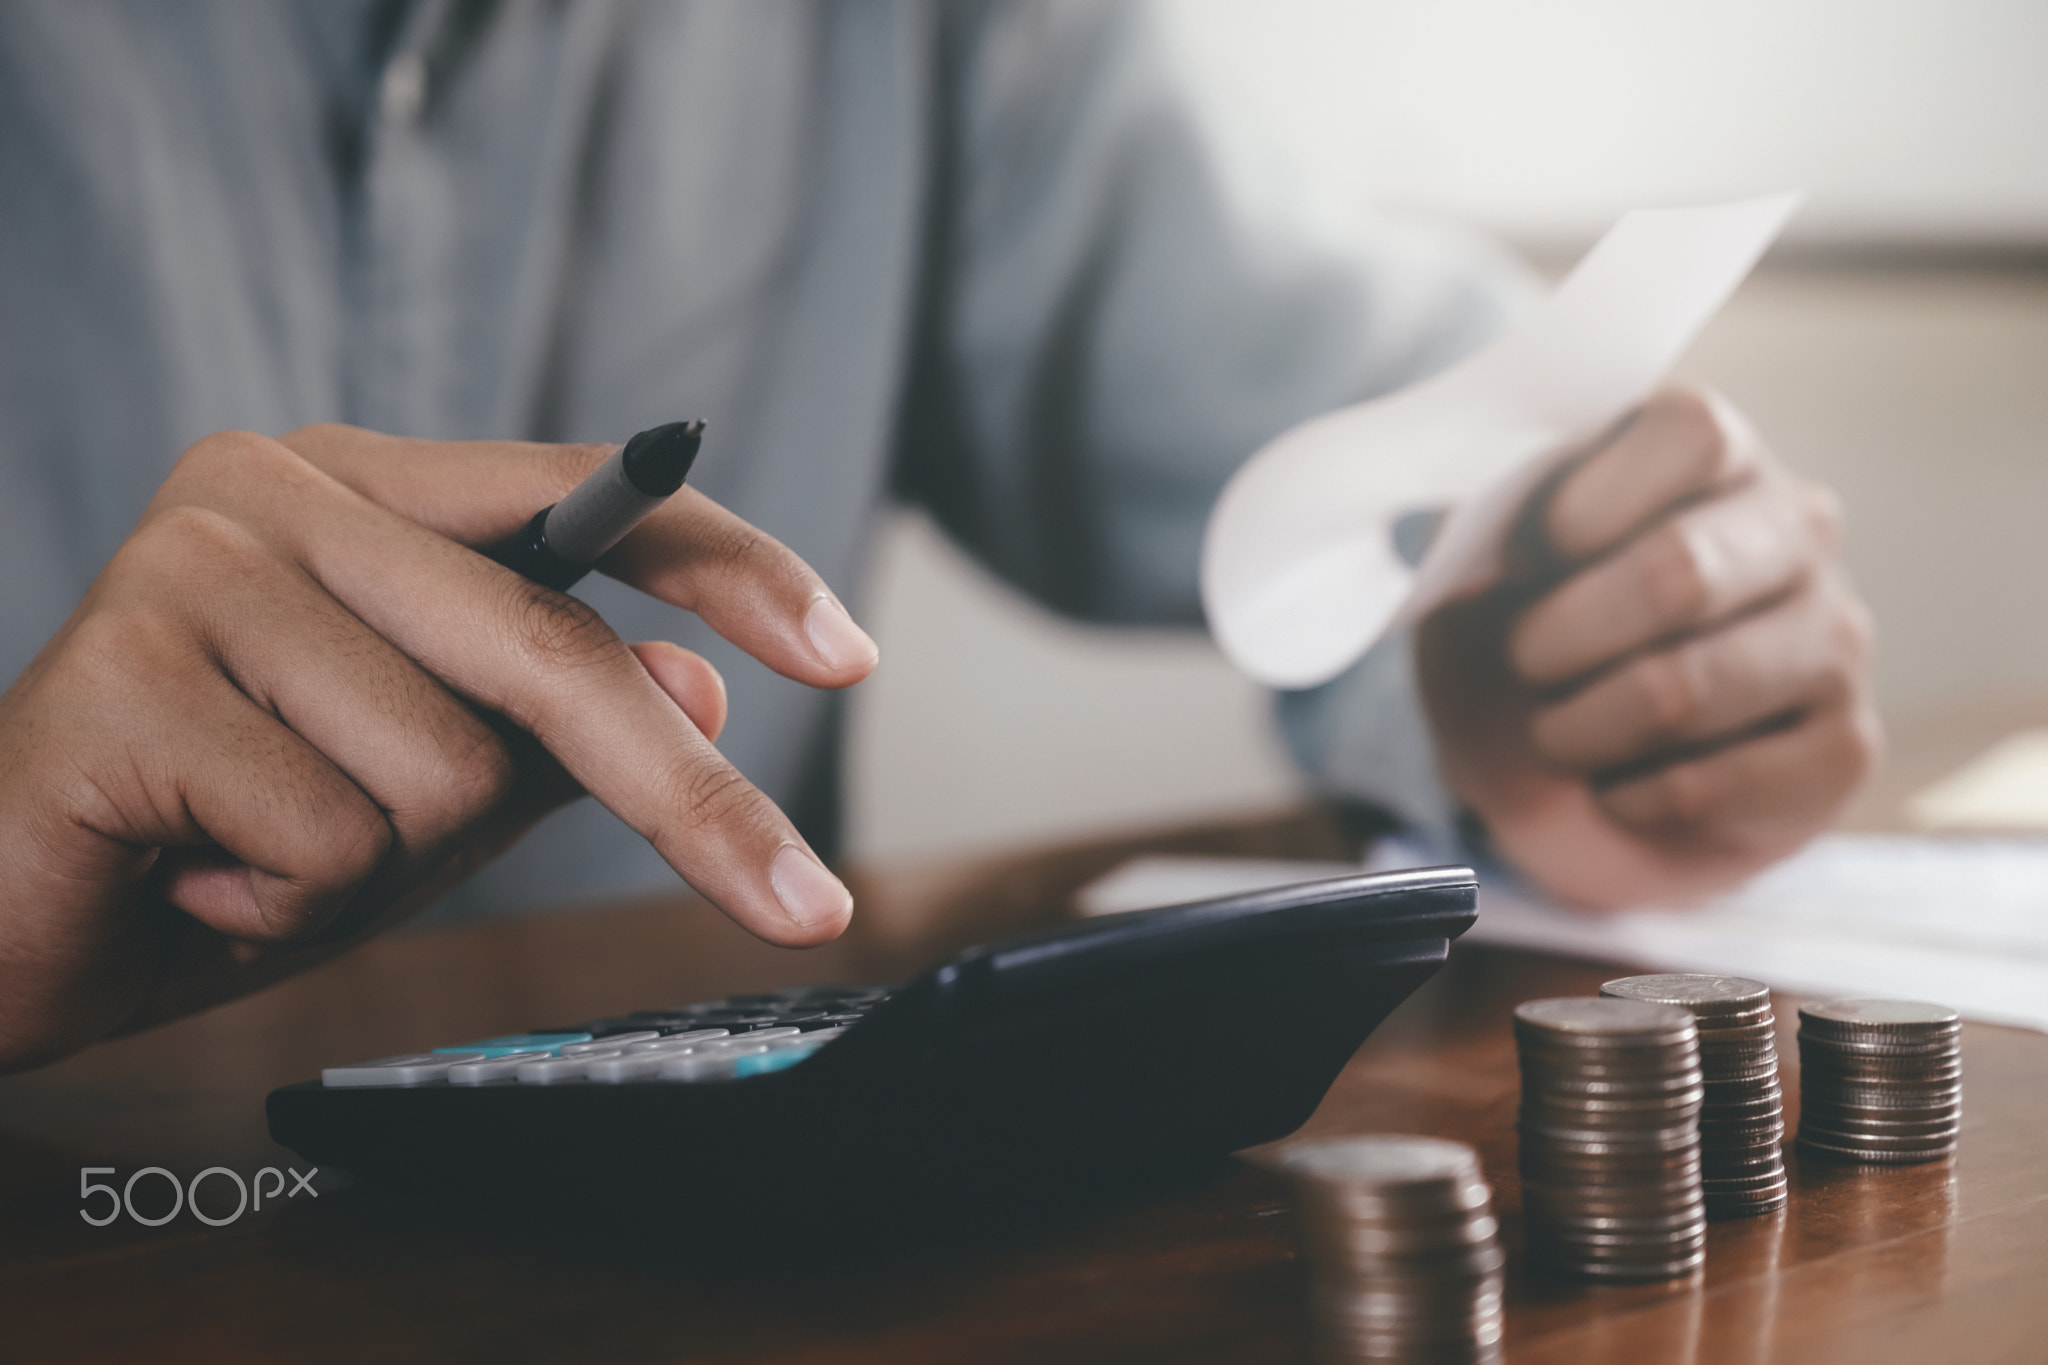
737,549
227,454
552,630
482,777
712,797
1675,577
113,649
356,841
360,841
1701,423
1672,690
188,541
742,555
1690,409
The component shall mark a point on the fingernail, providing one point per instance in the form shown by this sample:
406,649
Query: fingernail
809,894
839,642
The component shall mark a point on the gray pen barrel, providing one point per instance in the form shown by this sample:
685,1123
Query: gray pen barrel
597,514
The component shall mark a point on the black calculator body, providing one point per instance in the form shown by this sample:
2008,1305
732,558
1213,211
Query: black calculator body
1017,1077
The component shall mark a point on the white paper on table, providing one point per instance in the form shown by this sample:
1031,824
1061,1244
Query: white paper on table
2006,787
1960,921
1299,571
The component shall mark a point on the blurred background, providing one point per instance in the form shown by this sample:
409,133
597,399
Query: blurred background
1894,345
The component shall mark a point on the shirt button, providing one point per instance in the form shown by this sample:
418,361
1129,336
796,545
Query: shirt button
403,91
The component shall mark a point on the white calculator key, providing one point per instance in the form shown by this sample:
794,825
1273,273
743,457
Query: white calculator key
628,1066
412,1068
680,1042
611,1044
784,1043
749,1042
550,1070
759,1035
491,1068
708,1064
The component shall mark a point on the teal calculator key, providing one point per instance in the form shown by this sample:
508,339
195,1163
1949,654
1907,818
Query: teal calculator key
770,1061
520,1042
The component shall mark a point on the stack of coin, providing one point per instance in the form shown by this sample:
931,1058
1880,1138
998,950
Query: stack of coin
1611,1093
1403,1248
1880,1080
1742,1120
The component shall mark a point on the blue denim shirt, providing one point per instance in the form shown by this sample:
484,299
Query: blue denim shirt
971,255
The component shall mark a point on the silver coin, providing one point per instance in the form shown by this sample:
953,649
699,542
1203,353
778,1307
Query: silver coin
1762,1026
1695,991
1866,1154
1881,1106
1882,1081
1382,1160
1723,1209
1880,1057
1567,1167
1888,1016
1605,1019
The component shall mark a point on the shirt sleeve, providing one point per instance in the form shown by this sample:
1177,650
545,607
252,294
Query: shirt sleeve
1106,332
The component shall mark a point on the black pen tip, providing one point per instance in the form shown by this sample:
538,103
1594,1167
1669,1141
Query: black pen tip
659,458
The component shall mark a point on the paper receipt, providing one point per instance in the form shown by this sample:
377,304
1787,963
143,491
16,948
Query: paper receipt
1299,571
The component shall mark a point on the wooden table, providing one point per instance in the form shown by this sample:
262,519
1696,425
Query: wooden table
1921,1264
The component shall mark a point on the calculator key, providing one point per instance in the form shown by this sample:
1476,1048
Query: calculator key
835,1021
680,1023
740,1023
491,1068
679,1042
553,1070
521,1042
775,1059
609,1043
696,1035
771,1033
801,1018
711,1063
411,1068
627,1066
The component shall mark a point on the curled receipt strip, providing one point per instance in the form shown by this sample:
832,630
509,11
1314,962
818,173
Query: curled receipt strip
1299,570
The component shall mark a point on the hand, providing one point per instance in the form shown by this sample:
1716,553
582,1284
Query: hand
1670,688
298,706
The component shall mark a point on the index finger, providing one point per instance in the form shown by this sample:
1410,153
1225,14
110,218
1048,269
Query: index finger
550,665
690,552
1679,445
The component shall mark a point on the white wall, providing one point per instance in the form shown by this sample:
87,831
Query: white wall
991,722
1917,119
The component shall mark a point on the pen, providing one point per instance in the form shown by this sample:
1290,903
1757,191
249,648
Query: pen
563,540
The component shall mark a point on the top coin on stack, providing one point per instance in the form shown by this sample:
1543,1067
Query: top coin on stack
1611,1093
1402,1245
1742,1121
1880,1080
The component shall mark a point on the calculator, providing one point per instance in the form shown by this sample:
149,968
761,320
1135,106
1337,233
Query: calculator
1016,1078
